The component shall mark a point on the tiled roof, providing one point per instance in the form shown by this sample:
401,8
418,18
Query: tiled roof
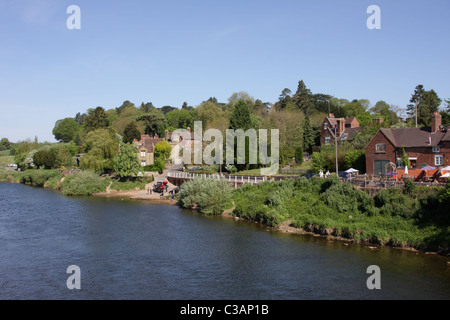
414,137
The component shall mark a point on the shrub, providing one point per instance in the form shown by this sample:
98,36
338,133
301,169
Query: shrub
210,196
84,183
39,177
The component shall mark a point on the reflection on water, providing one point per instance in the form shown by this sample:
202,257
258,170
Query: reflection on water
137,250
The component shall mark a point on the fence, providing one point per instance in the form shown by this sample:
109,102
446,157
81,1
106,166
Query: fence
236,179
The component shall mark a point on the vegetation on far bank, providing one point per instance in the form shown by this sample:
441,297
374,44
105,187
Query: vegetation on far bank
414,217
83,183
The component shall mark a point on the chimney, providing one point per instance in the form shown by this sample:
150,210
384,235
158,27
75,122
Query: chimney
331,115
340,126
436,121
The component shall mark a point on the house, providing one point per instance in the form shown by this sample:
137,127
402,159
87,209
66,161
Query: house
343,128
145,148
423,146
176,140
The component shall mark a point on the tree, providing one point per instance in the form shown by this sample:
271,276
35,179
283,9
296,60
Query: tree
303,98
5,144
66,129
44,158
299,155
154,122
240,117
427,103
147,107
162,150
101,146
124,105
241,95
96,119
308,135
126,162
166,109
80,118
185,106
131,133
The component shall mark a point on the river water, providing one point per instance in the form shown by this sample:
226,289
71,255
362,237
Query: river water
138,250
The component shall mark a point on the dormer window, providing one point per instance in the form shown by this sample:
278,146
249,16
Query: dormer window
142,153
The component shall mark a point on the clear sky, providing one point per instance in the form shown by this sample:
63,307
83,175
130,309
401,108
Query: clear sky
168,52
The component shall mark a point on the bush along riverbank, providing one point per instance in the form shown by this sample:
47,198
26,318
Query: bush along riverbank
84,183
414,217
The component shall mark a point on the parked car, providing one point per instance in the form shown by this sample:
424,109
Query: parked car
158,187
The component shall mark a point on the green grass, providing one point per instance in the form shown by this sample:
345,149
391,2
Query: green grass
5,160
131,184
4,153
327,206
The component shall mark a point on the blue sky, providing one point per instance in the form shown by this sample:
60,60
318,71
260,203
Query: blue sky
168,52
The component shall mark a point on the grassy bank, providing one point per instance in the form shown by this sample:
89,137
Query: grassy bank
416,219
409,218
84,183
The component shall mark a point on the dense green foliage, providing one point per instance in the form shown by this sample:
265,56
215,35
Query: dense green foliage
84,183
126,162
209,196
417,218
66,129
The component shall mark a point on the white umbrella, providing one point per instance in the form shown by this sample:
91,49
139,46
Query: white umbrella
447,168
351,170
445,175
406,170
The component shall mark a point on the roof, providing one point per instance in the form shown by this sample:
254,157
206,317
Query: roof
414,137
349,133
148,143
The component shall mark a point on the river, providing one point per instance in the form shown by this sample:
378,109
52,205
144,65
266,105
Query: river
139,250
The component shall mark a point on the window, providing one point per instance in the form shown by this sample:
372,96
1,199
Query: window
325,125
413,163
143,163
437,149
400,163
438,160
380,148
142,153
327,140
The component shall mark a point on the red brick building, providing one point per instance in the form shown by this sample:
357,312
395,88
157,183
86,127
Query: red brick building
345,128
423,146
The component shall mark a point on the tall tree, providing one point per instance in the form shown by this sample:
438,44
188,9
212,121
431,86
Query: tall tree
147,107
96,119
79,118
166,109
5,144
131,133
124,105
427,103
308,135
66,129
240,117
126,162
154,122
303,98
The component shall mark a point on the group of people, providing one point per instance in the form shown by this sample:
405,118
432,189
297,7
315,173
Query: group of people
324,175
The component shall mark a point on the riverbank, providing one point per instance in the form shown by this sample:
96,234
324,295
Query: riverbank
141,195
413,219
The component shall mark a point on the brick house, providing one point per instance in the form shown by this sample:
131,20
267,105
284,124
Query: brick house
423,146
145,148
345,128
